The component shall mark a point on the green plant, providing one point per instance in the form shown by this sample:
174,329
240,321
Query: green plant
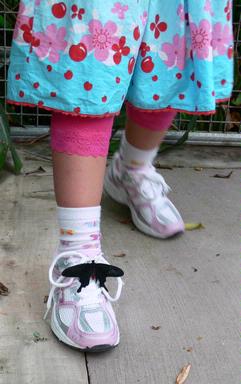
6,144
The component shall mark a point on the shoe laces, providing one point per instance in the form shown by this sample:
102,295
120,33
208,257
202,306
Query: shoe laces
89,294
152,184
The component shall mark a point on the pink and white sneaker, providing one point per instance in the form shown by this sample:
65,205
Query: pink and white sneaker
82,314
144,191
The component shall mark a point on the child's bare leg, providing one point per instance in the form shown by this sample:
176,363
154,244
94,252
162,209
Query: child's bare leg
78,180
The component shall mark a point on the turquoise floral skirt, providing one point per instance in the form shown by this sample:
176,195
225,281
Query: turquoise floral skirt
88,57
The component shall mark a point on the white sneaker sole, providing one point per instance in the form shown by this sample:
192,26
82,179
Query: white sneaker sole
61,336
119,195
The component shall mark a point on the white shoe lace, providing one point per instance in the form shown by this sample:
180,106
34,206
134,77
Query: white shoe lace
59,283
155,181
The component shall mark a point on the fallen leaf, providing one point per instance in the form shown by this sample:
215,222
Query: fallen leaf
120,254
183,375
221,176
160,166
37,337
190,349
45,299
125,221
38,170
193,226
3,290
155,328
194,269
198,169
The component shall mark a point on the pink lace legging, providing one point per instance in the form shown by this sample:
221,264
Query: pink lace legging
87,136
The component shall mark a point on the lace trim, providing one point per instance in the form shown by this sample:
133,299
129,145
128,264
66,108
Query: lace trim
80,142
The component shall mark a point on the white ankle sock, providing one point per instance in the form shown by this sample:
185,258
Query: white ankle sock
79,230
134,157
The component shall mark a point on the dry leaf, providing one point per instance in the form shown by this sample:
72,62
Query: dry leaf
183,375
220,176
155,328
160,166
120,254
198,169
3,290
125,221
190,349
193,226
45,299
38,170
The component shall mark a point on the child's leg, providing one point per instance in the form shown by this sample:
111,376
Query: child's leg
82,318
133,180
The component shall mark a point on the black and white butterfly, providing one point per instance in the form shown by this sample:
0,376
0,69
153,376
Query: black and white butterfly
93,270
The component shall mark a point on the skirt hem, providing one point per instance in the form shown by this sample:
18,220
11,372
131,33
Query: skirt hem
109,114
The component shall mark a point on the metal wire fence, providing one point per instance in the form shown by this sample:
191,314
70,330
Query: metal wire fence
227,119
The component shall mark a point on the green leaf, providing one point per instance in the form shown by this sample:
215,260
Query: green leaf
191,127
7,144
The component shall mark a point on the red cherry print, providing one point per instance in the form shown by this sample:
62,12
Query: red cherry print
191,54
49,68
21,94
117,79
230,52
136,33
192,76
36,85
178,76
154,78
77,110
213,93
199,84
147,64
53,94
78,52
223,82
68,75
156,97
59,10
131,65
88,86
104,99
181,96
17,77
40,103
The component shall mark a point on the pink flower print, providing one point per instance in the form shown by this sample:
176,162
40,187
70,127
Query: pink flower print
175,52
221,38
121,50
21,19
100,39
201,38
181,12
51,43
158,26
143,18
208,7
120,9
